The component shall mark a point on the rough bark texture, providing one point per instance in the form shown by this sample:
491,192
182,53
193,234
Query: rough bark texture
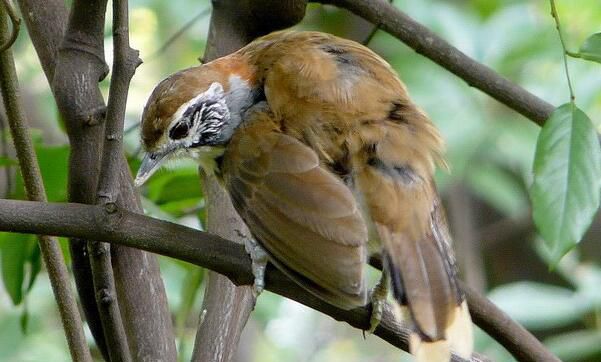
234,23
74,66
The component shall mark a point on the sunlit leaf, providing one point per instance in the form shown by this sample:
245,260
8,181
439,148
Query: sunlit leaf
591,49
567,179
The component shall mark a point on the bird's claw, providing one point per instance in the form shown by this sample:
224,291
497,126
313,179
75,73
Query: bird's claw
259,261
378,297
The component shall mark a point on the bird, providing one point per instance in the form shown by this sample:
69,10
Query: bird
329,162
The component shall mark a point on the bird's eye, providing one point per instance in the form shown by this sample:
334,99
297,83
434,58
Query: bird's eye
179,131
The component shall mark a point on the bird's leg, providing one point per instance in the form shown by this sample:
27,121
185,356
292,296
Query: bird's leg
258,255
378,297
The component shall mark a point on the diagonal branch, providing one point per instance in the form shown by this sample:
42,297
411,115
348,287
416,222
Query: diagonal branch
427,43
230,259
49,247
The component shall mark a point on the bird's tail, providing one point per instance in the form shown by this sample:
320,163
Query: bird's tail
424,286
458,339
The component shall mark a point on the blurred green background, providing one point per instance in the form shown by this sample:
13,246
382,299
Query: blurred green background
490,153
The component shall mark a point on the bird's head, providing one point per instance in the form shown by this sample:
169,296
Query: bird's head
194,113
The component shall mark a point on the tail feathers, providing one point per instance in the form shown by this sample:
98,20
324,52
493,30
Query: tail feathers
423,351
458,339
460,332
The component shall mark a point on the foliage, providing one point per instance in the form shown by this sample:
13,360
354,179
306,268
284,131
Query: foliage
491,151
567,178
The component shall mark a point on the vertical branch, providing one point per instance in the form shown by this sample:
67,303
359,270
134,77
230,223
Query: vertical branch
53,258
72,56
125,62
233,24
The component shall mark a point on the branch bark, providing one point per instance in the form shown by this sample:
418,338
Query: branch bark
233,24
230,259
427,43
49,247
74,65
125,62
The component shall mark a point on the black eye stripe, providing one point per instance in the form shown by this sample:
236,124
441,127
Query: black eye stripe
179,131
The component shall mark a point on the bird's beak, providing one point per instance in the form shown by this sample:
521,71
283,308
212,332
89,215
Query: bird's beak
150,163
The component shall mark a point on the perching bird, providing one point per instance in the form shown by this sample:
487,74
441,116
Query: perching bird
327,160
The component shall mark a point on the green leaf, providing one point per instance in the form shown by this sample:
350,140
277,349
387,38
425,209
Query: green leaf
576,346
179,187
24,320
567,179
539,306
53,161
15,250
591,49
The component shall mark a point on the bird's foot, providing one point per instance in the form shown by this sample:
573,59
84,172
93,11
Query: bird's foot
378,296
259,258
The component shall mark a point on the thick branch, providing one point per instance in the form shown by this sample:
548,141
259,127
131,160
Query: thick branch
53,257
230,259
427,43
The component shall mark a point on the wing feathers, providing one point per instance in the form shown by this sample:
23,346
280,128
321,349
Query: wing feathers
303,215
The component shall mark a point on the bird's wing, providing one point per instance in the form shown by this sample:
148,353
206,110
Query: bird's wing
303,215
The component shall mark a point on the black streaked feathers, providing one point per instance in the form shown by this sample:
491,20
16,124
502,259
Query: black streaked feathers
403,172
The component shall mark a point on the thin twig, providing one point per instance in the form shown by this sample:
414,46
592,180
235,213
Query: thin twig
373,32
427,43
125,61
203,249
16,22
50,249
563,46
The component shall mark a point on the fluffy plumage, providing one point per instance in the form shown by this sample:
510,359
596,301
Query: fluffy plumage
330,154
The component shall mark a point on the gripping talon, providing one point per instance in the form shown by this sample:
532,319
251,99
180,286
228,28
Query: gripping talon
378,299
259,262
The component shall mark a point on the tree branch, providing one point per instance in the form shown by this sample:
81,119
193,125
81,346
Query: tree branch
74,66
427,43
51,252
16,24
125,61
230,259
